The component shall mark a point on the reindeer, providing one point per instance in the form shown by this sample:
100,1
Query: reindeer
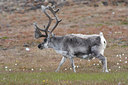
71,45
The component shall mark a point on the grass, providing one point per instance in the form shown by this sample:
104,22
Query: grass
4,37
124,46
35,78
124,22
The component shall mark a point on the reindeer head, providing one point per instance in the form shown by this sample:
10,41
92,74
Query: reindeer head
48,33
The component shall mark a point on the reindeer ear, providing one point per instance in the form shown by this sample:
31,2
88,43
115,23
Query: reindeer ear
37,33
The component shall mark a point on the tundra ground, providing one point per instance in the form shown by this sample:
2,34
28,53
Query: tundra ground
21,67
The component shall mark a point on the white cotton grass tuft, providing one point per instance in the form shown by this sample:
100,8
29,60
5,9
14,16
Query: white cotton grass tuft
65,69
99,61
10,69
40,69
94,64
15,64
120,60
126,62
6,67
77,66
117,63
123,54
98,64
70,68
88,60
120,56
109,69
126,57
93,58
23,69
119,67
32,69
113,13
117,55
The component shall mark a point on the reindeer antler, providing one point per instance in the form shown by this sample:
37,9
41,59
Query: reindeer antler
37,29
50,19
57,20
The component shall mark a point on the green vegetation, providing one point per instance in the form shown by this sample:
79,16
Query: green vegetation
98,25
32,78
4,37
124,22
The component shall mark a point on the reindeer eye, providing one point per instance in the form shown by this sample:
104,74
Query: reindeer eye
104,42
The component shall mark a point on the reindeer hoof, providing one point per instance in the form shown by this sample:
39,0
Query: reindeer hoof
56,70
106,71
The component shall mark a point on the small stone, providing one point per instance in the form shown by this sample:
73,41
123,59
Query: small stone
26,45
27,49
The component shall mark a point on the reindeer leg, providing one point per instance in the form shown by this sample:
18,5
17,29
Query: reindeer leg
98,55
72,64
104,62
61,63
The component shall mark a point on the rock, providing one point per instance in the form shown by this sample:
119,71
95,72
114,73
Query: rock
105,3
26,45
